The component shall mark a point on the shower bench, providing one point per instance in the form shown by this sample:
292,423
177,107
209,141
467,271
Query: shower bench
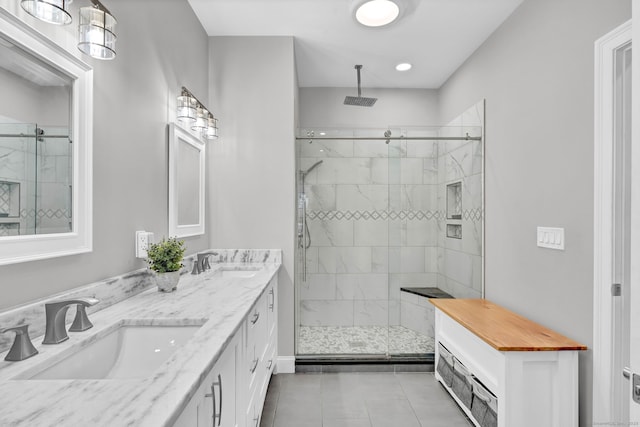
503,368
415,311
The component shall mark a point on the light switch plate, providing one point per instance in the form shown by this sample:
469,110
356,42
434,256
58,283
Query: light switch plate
551,237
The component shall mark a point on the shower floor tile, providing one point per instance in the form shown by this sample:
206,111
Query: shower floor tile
362,340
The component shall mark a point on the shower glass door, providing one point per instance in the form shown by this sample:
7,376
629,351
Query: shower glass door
413,239
385,217
342,275
35,179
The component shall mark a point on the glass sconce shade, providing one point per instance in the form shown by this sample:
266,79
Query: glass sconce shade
211,132
95,33
187,108
201,120
51,11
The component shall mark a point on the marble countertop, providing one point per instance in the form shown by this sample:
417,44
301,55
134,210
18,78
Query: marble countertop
222,302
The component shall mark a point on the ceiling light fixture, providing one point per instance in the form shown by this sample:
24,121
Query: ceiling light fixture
51,11
405,66
377,13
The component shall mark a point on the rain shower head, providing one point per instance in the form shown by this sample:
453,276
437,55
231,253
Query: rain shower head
359,100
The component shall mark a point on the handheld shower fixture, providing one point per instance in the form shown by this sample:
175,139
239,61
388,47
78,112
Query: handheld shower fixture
304,236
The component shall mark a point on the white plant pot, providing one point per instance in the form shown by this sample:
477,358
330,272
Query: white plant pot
167,282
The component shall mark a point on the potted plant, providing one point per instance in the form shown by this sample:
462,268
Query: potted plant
165,258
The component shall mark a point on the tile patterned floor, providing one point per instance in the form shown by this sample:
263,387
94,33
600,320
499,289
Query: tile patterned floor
362,340
360,400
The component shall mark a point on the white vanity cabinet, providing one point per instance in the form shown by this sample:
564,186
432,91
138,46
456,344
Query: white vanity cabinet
233,393
261,345
215,402
504,370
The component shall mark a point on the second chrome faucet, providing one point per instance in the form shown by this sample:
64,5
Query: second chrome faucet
56,312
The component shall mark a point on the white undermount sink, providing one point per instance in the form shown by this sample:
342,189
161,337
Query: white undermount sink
244,272
125,351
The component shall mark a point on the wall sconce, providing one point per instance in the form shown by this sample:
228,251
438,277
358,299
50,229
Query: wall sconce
95,32
51,11
193,112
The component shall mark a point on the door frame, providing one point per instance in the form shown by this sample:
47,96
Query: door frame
604,144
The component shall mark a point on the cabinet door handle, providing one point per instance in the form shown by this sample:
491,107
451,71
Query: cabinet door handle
220,413
213,396
216,414
257,420
270,364
255,365
273,299
256,316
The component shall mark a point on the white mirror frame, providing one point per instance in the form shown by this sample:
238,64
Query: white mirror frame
15,249
177,136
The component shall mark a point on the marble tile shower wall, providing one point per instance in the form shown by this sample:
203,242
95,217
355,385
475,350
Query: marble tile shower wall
373,221
460,260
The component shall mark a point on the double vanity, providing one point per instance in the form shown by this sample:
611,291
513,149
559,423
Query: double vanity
200,356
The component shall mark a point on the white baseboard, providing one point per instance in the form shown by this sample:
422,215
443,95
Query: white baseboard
286,365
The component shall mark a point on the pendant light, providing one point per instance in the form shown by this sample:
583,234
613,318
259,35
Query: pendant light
51,11
96,37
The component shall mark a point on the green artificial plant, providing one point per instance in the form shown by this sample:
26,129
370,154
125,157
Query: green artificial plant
166,256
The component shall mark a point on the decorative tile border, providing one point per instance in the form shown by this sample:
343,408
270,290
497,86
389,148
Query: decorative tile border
467,214
45,213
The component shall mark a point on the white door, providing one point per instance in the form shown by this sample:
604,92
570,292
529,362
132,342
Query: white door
634,408
613,213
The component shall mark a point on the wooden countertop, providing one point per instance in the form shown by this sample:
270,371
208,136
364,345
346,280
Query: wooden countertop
502,329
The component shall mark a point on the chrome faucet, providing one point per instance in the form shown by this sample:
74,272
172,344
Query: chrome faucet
202,262
56,312
22,347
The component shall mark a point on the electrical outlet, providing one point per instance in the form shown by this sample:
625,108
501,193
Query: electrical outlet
143,240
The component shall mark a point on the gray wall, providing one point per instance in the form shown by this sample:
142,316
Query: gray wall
134,99
536,73
321,106
252,165
27,102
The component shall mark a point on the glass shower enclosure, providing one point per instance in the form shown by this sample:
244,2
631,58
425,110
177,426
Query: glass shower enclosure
35,179
379,212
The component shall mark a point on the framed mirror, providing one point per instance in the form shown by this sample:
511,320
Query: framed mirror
45,146
186,183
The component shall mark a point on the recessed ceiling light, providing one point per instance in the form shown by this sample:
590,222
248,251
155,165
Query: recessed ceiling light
376,13
405,66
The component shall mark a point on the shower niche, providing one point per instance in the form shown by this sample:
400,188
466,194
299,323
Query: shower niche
375,210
